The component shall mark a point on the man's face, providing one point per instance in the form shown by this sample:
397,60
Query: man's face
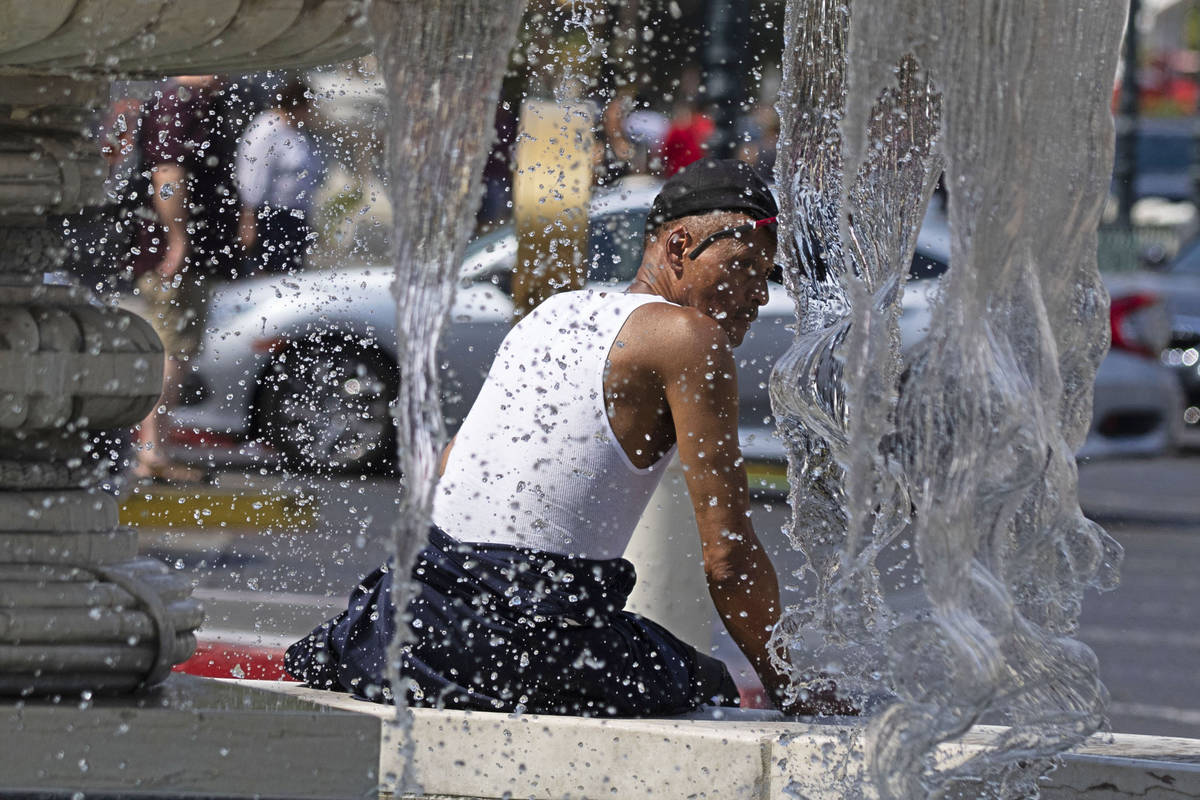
729,281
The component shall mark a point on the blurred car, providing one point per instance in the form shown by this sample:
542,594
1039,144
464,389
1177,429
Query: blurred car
306,364
1137,406
1163,153
1177,282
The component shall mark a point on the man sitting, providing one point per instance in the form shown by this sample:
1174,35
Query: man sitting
519,594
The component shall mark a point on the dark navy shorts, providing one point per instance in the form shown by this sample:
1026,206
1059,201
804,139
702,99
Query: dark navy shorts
499,628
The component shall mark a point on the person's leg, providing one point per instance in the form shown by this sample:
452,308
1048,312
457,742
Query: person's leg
177,310
344,654
151,454
473,648
625,666
714,685
283,240
449,664
156,297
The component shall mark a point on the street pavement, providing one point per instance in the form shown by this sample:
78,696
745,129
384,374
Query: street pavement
1147,632
275,557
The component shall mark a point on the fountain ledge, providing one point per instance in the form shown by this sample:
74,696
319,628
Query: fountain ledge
238,738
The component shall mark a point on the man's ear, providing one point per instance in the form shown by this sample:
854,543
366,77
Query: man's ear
679,241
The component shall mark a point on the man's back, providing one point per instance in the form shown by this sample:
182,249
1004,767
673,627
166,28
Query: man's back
536,463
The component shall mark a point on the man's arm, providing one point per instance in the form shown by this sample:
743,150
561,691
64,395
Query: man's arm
171,207
247,227
445,457
701,389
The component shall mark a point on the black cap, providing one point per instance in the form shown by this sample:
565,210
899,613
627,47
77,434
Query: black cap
712,184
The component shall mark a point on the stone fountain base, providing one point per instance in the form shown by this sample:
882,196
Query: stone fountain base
188,737
255,738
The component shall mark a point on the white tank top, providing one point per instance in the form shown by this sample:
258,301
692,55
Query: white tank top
536,463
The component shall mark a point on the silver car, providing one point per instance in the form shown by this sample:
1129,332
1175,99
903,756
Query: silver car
301,368
1178,284
1137,407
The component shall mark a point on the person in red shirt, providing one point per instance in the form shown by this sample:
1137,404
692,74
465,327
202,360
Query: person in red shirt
685,140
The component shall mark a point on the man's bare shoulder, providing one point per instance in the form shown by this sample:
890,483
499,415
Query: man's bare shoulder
675,337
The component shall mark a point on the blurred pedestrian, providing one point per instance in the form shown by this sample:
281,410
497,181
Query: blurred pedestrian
496,207
189,238
686,138
120,144
279,169
758,136
647,129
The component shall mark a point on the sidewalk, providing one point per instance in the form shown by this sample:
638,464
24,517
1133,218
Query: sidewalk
1161,490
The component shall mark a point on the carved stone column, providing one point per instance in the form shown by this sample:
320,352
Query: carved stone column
78,609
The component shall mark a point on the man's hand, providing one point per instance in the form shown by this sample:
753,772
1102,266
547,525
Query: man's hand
821,699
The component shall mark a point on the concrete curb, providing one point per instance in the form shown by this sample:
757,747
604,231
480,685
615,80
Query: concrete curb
753,755
234,739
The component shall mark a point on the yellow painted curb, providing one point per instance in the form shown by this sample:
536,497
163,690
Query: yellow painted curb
768,476
209,508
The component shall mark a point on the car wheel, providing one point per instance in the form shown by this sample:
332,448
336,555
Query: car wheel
324,406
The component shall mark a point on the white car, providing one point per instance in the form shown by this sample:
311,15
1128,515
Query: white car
305,364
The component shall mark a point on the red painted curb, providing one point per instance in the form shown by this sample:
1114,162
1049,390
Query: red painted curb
753,697
252,662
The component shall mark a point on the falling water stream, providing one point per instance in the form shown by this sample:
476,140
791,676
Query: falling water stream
962,450
443,63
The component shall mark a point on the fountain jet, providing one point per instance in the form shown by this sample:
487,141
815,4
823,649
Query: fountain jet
962,449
